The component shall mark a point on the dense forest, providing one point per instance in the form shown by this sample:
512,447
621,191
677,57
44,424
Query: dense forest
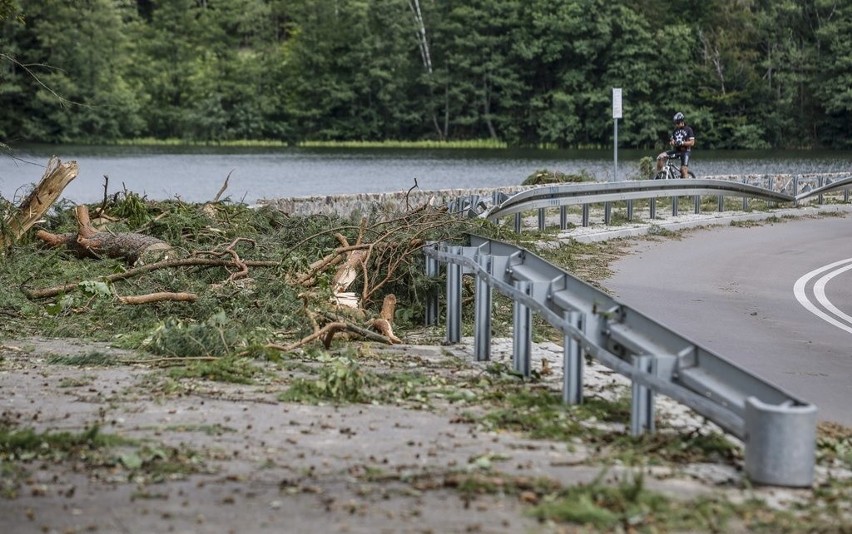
747,73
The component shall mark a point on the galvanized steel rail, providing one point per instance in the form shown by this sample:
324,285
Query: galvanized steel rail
779,430
586,194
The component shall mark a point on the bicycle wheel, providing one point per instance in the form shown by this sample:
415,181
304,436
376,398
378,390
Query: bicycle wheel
660,175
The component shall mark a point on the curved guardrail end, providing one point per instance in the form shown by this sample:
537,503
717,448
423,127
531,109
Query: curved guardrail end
780,443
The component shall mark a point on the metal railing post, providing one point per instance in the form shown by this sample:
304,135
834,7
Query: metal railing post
572,363
795,190
745,199
770,186
652,208
541,219
522,331
517,223
432,269
607,212
674,206
697,204
454,301
721,203
585,215
563,217
820,183
642,408
482,312
629,210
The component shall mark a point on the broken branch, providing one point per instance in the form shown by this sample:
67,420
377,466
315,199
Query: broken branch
185,262
57,176
158,297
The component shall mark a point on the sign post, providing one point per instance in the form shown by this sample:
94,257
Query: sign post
616,114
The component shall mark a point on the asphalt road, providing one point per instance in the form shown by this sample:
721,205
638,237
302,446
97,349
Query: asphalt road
731,290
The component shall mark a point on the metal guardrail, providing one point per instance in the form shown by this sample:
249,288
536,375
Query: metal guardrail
587,194
828,186
779,431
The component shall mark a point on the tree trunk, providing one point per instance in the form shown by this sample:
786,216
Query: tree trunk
90,243
56,177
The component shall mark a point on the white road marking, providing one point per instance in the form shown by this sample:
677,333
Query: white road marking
799,290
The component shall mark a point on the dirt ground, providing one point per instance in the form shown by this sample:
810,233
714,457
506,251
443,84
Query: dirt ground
248,462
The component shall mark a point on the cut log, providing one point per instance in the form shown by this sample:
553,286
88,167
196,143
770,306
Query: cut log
56,177
90,243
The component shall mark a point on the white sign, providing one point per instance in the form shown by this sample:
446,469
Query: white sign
616,103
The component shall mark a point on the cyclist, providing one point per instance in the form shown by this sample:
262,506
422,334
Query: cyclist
682,139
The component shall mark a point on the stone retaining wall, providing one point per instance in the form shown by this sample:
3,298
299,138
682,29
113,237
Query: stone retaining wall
367,203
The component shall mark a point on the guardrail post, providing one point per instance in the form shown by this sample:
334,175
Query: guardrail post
585,215
451,205
454,301
563,217
572,362
697,203
674,206
607,212
482,312
432,269
795,190
642,408
771,183
541,221
629,210
517,223
745,199
652,208
780,443
820,183
721,203
521,331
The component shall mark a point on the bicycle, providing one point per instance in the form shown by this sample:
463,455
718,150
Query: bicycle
671,170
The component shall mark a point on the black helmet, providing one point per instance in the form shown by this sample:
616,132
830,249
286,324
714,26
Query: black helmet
679,117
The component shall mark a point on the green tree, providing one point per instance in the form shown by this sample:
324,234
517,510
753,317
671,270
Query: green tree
350,69
9,9
474,55
651,81
749,74
559,47
832,83
67,82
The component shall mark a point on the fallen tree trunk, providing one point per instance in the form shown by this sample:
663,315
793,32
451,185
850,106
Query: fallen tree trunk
56,177
142,269
90,243
158,297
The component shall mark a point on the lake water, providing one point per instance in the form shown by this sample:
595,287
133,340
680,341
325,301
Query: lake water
196,174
